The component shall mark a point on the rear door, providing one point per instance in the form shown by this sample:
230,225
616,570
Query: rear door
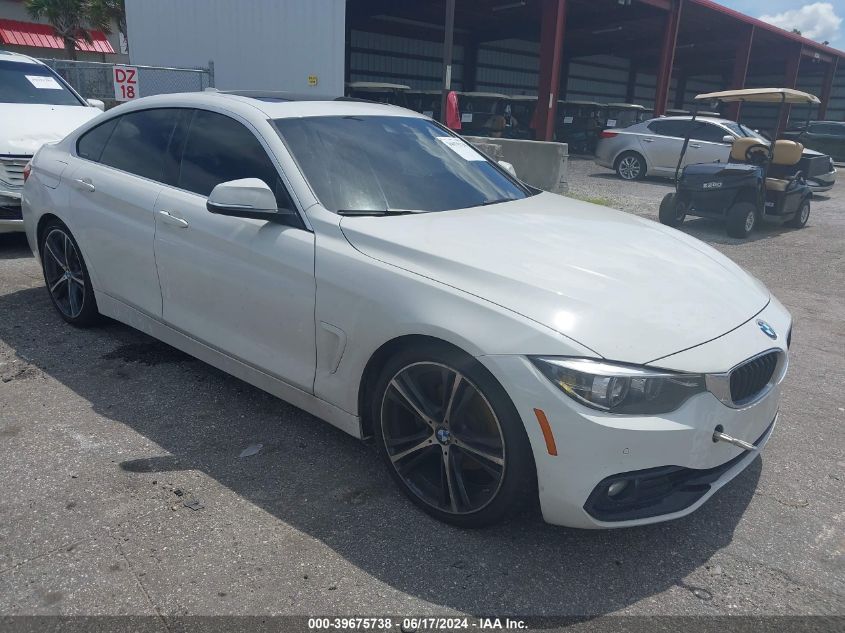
242,286
661,144
114,184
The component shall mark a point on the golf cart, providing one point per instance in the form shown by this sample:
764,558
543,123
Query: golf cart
519,112
579,124
621,115
393,94
482,113
760,181
426,102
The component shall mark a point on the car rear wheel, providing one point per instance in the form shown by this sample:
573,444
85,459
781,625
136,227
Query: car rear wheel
630,166
741,220
66,276
672,212
451,437
800,218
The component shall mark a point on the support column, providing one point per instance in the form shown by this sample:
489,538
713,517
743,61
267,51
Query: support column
680,91
470,72
448,42
790,80
631,87
827,88
740,71
551,52
667,58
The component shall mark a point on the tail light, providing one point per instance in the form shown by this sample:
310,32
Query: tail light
609,134
27,170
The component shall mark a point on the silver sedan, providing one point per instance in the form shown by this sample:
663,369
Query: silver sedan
653,147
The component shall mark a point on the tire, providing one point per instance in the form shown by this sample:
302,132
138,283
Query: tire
741,219
800,219
630,166
492,472
671,213
66,276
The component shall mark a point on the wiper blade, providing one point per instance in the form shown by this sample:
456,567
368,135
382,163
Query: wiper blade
373,212
500,200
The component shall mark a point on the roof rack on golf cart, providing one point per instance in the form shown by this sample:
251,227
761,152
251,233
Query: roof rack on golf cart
761,179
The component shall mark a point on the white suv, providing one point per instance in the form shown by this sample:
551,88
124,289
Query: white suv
36,106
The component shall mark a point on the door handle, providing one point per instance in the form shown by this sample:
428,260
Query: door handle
648,140
168,218
85,184
695,145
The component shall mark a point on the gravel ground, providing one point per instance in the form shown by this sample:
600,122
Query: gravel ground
123,490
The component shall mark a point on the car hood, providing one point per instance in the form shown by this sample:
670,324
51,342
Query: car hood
25,127
630,289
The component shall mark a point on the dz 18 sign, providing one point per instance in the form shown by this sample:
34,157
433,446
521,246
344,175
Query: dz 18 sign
125,83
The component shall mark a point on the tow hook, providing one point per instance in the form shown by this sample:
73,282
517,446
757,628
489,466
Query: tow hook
720,436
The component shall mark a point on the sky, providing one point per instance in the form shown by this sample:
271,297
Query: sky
817,20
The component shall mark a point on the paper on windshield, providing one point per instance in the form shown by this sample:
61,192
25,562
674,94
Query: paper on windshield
43,82
460,148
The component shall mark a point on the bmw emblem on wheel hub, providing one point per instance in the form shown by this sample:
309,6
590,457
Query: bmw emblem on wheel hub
443,435
767,329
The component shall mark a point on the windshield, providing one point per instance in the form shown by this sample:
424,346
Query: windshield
743,131
390,163
32,83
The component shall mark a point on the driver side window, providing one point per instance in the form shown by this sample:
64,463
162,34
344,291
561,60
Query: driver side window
219,149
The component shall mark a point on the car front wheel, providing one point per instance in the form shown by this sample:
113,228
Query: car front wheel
451,437
66,276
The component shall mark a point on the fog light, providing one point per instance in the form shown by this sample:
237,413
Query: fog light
616,488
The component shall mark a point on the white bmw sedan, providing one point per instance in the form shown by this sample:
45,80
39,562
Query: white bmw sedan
498,343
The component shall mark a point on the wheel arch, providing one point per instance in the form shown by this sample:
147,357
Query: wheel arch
630,150
377,361
43,221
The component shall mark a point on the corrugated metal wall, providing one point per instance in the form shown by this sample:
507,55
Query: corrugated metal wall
261,44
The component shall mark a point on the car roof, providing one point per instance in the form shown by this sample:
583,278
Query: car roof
709,119
11,56
271,105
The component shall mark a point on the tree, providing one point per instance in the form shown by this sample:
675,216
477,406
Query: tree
106,11
72,19
796,31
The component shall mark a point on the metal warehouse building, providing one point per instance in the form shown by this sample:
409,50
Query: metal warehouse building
658,53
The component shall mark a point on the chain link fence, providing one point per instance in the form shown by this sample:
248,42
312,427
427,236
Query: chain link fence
95,80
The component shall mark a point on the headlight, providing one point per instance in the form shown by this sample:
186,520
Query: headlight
622,389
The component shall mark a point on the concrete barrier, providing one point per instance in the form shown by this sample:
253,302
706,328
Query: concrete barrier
541,164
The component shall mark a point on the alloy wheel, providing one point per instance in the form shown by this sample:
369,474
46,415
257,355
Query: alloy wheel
805,213
443,438
64,273
629,168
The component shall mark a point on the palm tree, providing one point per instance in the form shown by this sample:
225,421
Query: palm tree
72,19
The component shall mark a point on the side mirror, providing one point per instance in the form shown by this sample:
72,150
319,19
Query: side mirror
727,138
508,168
245,198
96,103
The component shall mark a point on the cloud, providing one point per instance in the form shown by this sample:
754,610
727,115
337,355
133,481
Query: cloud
817,21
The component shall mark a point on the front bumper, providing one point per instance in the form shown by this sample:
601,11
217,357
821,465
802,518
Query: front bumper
824,182
595,447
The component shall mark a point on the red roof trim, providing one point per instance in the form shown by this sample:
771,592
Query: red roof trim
709,4
44,36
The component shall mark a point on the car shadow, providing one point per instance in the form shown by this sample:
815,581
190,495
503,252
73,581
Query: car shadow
14,246
712,230
335,489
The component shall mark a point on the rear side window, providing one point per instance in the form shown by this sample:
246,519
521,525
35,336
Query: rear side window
219,149
139,142
91,144
677,129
